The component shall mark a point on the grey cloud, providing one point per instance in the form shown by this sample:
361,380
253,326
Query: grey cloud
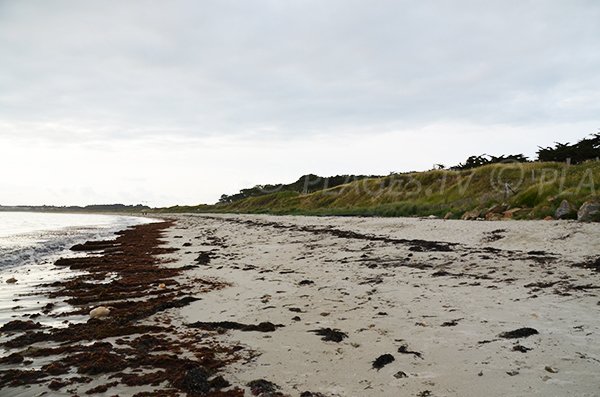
295,68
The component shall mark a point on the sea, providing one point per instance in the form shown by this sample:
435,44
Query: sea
29,237
31,242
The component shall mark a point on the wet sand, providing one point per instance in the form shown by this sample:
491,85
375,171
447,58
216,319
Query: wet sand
341,307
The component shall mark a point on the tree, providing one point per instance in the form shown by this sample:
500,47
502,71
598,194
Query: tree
484,159
585,149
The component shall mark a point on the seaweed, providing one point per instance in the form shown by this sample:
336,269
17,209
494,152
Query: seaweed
382,361
404,350
232,325
519,333
20,325
330,335
134,272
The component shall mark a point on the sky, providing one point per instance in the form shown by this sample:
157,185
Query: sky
178,102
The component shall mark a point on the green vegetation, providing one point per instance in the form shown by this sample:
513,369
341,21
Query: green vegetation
305,184
531,189
537,187
585,149
485,159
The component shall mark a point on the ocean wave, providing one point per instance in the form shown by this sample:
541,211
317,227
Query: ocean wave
40,246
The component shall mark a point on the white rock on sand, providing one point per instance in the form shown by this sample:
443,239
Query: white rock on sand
438,309
100,312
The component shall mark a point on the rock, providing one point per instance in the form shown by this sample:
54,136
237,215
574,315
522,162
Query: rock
508,214
449,215
162,286
400,375
564,211
497,209
516,213
100,312
471,215
589,212
493,216
11,280
432,217
551,370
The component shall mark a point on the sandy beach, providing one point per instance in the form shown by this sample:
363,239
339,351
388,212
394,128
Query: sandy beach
300,199
307,306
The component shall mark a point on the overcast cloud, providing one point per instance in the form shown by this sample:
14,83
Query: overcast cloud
169,102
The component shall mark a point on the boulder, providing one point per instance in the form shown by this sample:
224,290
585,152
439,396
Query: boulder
497,209
564,211
449,215
471,215
100,312
493,216
515,213
589,212
495,212
508,214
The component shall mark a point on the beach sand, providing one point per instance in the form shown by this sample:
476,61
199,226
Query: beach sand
446,305
434,296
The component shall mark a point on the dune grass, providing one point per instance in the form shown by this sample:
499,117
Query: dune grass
538,187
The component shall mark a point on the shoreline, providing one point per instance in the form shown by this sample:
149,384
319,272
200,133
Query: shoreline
313,307
28,256
106,353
